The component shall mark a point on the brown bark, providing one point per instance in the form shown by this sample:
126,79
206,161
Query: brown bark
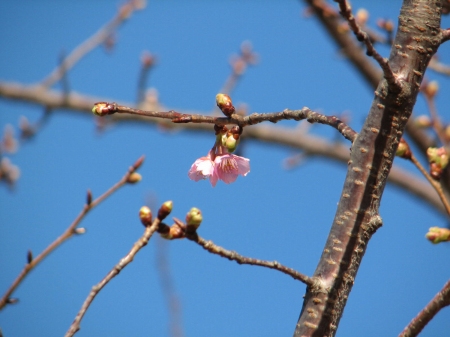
373,151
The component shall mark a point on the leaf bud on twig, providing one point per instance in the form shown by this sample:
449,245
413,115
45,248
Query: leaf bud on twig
423,121
29,256
431,89
79,230
89,197
438,159
225,104
104,108
193,220
437,235
134,178
165,210
145,214
403,150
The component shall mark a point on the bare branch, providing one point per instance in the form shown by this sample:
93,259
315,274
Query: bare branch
70,231
441,300
361,35
142,242
105,108
311,145
436,185
371,158
89,44
331,20
233,256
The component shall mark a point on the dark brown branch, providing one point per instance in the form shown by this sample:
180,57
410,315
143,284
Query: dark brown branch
70,231
373,151
142,242
441,300
233,256
331,21
311,145
255,118
362,36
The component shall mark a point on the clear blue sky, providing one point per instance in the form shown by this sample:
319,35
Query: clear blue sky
271,214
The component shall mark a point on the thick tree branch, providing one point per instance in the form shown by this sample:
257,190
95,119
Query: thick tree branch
441,300
331,20
357,217
70,231
311,145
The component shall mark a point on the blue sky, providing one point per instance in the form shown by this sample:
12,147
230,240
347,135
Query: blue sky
271,214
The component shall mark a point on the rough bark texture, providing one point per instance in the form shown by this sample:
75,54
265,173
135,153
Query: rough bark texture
373,151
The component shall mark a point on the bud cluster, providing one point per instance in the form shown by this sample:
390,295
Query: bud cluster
437,235
438,159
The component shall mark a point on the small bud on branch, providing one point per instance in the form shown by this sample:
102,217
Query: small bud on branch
165,210
145,214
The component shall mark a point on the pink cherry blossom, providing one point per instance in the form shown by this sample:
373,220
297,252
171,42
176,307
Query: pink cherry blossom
202,168
227,168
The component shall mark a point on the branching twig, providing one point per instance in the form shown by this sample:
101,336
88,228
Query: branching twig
441,300
142,242
233,256
70,231
89,44
362,36
255,118
436,185
310,144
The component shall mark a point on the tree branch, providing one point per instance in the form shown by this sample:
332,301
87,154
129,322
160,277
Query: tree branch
361,35
255,118
357,217
70,231
234,256
142,242
441,300
312,145
89,44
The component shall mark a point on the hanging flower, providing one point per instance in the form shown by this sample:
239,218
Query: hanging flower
202,168
227,168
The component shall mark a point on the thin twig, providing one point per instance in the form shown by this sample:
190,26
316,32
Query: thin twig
436,185
142,242
439,67
255,118
168,287
346,12
89,44
437,125
441,300
70,231
233,256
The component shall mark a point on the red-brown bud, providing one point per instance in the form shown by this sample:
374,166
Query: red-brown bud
145,214
165,210
103,108
225,104
403,150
